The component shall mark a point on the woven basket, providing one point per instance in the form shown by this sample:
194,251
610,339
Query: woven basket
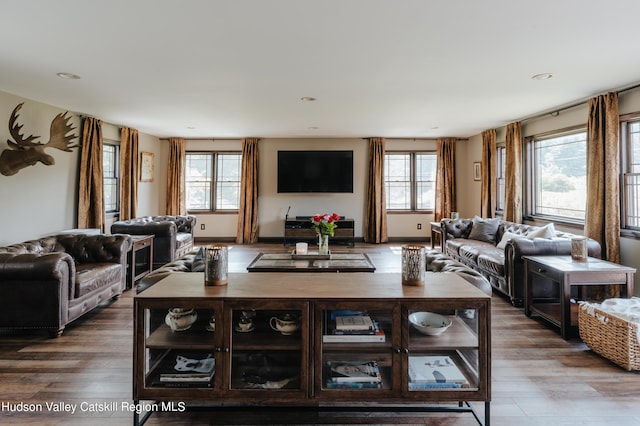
611,337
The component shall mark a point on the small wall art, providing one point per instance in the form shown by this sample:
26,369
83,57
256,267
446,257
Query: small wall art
477,170
147,165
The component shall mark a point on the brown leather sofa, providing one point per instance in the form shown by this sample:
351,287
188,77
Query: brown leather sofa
173,235
504,267
47,283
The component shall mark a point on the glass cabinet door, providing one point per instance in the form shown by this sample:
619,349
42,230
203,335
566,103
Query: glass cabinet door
268,347
182,346
355,348
444,347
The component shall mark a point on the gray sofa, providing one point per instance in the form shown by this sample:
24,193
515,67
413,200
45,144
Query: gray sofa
47,283
496,250
173,235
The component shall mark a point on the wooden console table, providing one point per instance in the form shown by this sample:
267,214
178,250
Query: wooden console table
258,364
572,280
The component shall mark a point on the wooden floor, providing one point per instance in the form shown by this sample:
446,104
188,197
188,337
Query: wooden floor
538,378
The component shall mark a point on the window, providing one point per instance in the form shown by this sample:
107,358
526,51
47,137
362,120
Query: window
558,176
630,151
213,181
501,165
410,179
111,177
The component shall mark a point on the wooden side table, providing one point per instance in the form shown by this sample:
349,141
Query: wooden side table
140,258
572,280
436,229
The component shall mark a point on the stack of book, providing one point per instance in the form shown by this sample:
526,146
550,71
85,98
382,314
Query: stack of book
429,372
353,329
185,369
353,375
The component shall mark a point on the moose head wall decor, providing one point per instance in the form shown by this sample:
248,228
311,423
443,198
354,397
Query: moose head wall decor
25,151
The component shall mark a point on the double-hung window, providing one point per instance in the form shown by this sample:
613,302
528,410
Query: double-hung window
557,176
410,179
630,132
501,165
111,177
212,181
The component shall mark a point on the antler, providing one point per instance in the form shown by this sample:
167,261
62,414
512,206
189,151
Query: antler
14,129
59,134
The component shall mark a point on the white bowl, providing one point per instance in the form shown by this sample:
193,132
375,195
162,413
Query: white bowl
429,323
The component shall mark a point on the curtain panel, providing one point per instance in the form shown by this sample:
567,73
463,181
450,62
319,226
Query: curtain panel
489,164
445,178
513,172
176,204
91,187
128,173
602,222
248,211
375,219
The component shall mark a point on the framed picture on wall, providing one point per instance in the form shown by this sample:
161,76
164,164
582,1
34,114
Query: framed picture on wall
146,166
477,170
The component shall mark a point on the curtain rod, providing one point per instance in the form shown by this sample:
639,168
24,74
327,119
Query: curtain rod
556,111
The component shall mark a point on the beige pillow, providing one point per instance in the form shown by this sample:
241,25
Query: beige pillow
547,231
506,237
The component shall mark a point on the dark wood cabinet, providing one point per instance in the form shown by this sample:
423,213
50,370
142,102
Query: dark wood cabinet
301,230
284,366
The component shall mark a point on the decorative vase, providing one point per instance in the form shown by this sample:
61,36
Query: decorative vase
323,244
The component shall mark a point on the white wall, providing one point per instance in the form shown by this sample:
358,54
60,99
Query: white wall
41,200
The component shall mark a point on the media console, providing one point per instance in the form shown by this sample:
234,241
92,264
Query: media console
301,229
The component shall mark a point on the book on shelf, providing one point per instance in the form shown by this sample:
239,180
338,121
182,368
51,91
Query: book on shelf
352,385
186,367
439,369
354,371
354,322
371,336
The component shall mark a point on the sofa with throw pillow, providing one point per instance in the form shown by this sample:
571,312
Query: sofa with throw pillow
495,247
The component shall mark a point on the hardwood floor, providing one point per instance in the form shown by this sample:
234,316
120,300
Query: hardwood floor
537,377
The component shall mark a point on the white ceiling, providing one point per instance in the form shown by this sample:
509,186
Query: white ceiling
408,68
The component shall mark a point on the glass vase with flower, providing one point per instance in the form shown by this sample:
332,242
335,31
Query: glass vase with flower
324,225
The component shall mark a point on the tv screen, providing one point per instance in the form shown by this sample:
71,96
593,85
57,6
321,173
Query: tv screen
315,171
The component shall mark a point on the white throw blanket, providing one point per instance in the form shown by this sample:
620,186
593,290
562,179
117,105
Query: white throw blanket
625,309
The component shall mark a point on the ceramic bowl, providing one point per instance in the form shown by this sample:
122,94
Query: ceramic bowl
429,323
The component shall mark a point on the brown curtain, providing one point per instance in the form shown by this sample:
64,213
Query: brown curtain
489,163
375,219
91,187
513,172
176,204
602,221
248,212
445,178
128,173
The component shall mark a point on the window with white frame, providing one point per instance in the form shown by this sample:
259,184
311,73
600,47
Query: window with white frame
501,165
557,185
111,177
630,132
410,179
212,181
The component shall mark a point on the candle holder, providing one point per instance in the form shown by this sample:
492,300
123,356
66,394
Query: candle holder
579,249
413,264
216,265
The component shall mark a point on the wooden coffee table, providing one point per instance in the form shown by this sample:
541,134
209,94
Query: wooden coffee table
285,262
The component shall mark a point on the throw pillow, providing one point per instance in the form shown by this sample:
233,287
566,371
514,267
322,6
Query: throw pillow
506,237
548,231
484,229
198,261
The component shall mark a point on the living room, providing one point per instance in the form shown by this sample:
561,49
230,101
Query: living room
42,199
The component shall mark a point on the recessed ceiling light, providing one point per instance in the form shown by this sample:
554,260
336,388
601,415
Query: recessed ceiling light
190,127
307,98
543,76
313,127
68,76
435,128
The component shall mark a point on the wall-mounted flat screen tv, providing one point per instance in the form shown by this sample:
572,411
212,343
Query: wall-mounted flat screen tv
315,171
